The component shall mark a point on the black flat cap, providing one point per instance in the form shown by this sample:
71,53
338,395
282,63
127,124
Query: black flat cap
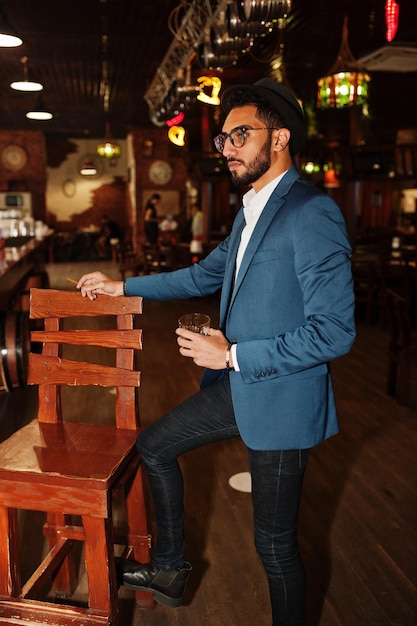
282,100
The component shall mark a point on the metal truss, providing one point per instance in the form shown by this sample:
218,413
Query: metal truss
201,15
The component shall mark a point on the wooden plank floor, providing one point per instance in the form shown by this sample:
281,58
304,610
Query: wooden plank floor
358,516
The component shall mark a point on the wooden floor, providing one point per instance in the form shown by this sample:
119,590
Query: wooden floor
358,516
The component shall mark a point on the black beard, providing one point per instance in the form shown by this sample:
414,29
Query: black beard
255,169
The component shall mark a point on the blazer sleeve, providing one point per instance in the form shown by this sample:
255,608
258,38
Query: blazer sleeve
200,279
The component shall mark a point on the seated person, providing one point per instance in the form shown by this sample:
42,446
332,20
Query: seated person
109,230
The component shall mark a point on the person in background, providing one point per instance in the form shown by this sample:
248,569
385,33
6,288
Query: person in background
109,229
286,310
151,218
197,230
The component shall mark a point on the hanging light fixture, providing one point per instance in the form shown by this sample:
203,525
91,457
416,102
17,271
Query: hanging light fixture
29,83
39,112
87,167
108,149
347,82
8,36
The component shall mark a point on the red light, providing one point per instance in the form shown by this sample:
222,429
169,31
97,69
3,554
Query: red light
392,13
175,121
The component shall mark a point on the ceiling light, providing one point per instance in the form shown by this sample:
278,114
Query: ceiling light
87,167
39,112
108,149
29,83
347,82
8,37
39,115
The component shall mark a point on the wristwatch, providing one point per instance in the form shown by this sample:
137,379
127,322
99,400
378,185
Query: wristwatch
229,347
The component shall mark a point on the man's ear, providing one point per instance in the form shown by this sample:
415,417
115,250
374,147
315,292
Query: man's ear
281,139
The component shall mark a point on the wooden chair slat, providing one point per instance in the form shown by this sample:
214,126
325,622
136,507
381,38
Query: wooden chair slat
57,371
46,303
100,338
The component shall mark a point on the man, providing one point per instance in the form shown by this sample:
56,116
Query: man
286,310
109,230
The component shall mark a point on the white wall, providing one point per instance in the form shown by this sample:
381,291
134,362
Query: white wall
68,192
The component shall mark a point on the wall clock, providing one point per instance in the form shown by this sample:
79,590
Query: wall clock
68,188
160,172
14,157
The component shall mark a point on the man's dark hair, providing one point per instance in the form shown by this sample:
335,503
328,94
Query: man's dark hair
266,113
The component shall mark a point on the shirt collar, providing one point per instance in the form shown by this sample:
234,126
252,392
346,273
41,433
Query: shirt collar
254,202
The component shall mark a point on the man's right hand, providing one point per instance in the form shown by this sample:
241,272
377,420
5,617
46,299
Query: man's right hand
96,283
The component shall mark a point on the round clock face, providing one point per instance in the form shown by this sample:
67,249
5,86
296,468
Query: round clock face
14,157
160,172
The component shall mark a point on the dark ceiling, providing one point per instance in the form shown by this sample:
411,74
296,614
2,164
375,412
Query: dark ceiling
77,48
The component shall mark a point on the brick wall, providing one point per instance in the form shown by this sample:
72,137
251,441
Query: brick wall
32,177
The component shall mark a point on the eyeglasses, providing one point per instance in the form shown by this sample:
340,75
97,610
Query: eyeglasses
237,137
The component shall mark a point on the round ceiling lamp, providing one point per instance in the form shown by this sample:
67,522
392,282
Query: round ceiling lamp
8,36
88,167
29,83
39,112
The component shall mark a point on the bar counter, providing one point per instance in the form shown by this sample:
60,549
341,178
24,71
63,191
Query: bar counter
17,264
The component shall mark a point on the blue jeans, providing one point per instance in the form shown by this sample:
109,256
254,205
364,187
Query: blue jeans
277,477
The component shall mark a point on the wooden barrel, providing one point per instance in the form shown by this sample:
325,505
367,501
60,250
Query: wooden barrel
39,280
14,346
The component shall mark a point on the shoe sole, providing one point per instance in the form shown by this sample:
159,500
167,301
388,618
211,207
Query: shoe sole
172,603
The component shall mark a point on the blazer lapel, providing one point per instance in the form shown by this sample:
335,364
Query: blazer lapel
230,286
229,274
261,227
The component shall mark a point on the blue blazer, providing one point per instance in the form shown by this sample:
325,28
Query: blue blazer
290,311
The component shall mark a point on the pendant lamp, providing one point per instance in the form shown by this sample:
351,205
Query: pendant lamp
108,149
29,83
347,83
8,36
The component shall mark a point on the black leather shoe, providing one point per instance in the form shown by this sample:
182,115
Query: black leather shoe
167,585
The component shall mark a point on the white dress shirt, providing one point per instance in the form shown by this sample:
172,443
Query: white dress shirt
253,205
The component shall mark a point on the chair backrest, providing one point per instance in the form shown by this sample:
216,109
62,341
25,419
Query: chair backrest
364,277
395,273
398,311
50,371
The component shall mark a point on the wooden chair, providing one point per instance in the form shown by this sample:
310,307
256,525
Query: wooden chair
131,261
69,468
395,275
402,350
365,287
